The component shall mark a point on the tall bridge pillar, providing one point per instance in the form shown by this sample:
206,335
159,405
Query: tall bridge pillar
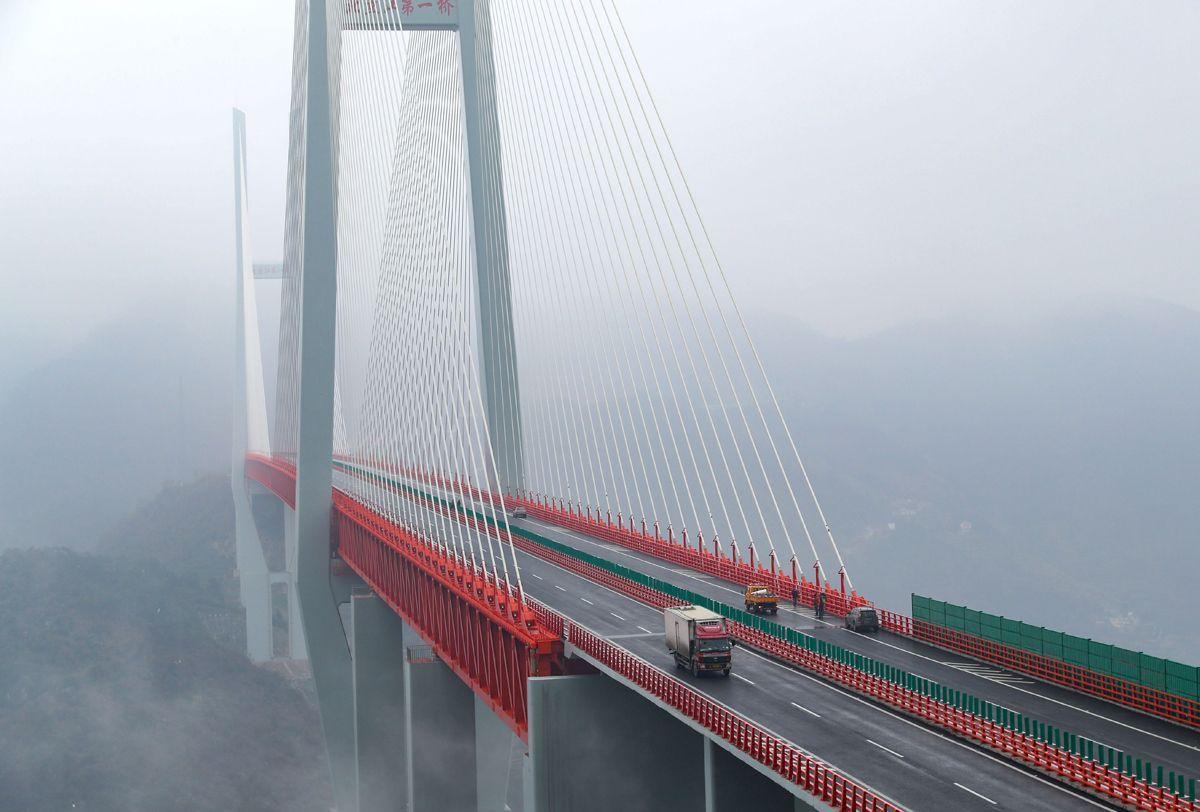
380,703
316,584
497,341
297,648
249,419
423,739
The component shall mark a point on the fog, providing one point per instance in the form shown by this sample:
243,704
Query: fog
858,167
965,235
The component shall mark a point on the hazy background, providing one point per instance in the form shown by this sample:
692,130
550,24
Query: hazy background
967,234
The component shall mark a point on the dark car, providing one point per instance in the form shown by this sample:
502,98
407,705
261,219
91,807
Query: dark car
519,513
862,619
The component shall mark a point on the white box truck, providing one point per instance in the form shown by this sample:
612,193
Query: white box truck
698,639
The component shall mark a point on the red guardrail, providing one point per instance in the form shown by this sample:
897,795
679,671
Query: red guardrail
766,748
1141,698
712,562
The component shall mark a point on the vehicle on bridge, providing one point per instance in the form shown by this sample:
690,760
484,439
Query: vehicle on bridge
862,619
761,599
699,639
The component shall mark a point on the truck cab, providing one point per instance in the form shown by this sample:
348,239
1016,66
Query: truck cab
698,639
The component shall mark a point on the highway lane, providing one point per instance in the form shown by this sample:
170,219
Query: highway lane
1175,747
915,767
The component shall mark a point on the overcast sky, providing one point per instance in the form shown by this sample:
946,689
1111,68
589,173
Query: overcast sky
860,165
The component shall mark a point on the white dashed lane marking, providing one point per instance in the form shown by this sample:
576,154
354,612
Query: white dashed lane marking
976,794
885,749
806,710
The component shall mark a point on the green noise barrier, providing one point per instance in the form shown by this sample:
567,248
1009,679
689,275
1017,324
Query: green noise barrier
1016,722
1134,666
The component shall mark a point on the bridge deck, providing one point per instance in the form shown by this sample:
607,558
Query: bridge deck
1161,742
910,764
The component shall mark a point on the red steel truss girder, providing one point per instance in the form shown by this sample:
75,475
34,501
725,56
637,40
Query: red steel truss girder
478,629
493,656
275,475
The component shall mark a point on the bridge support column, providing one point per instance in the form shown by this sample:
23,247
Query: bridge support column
297,648
595,745
494,745
254,579
440,731
421,734
380,703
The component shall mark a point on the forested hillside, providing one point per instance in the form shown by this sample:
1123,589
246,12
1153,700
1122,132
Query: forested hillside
115,694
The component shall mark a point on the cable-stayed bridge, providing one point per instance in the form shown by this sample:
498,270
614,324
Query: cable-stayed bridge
518,412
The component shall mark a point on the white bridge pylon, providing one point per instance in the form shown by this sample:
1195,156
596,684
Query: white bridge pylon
251,433
481,193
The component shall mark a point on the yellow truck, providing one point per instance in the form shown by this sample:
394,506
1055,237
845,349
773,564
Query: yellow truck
761,599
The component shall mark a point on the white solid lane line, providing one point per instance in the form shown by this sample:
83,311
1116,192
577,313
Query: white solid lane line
585,600
806,710
743,679
976,794
618,617
885,749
